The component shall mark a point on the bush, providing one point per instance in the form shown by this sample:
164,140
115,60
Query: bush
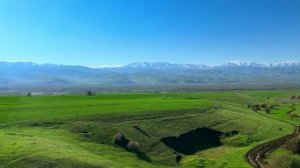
268,109
133,145
121,140
284,161
293,145
255,107
295,163
264,105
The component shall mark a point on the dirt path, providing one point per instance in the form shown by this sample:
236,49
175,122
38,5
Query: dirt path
255,156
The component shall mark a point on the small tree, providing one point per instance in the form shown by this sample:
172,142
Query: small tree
255,107
28,94
268,109
264,105
90,93
120,139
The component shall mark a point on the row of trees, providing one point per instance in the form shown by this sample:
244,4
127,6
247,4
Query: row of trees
90,93
266,107
295,97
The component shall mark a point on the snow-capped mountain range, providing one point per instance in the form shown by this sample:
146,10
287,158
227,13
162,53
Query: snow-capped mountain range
270,65
147,73
164,65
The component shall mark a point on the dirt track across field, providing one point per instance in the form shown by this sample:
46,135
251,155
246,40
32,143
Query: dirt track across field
256,155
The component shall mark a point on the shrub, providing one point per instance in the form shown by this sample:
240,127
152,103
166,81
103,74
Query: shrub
293,145
133,145
284,161
256,107
295,163
268,109
121,140
264,105
135,125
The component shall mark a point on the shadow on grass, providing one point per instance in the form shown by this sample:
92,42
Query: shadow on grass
142,131
143,156
122,141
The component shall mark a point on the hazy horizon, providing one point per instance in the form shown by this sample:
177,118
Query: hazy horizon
120,65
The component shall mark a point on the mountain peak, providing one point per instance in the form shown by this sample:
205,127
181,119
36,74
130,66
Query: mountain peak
147,73
163,66
242,64
285,64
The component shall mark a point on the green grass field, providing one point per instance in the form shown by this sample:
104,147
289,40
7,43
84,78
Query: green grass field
77,130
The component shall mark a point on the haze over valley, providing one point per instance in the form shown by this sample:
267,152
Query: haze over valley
146,73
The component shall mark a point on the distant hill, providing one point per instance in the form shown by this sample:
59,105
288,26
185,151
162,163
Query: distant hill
146,73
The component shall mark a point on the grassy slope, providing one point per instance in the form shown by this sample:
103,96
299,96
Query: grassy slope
45,108
281,114
79,133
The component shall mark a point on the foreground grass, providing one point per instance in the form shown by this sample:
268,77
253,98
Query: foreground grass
38,147
77,130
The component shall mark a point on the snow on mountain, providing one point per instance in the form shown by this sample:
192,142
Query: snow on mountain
163,66
144,73
242,64
285,64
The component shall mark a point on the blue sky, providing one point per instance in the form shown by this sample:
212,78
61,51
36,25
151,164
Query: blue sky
114,32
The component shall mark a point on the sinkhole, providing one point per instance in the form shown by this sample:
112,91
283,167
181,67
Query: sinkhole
195,140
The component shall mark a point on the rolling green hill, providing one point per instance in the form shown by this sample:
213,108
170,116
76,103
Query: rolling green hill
78,130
